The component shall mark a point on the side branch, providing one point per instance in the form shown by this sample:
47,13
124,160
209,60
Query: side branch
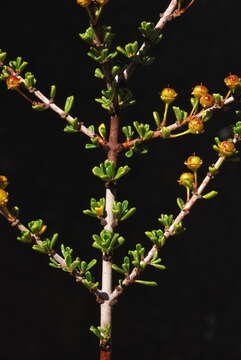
164,18
170,231
176,125
15,222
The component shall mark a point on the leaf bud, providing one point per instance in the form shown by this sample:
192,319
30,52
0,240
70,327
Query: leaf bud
12,82
193,162
207,100
168,95
232,81
199,91
195,125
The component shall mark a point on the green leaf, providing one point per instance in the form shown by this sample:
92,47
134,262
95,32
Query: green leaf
210,194
148,283
40,249
52,91
68,104
99,74
118,269
159,267
91,264
180,203
95,331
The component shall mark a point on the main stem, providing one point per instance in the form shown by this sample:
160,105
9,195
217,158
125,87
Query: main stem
106,308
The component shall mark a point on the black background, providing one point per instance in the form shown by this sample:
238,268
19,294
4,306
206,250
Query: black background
195,311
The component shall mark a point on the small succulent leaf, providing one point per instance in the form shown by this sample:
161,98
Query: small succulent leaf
180,203
52,91
41,249
91,264
68,104
118,269
148,283
210,195
53,240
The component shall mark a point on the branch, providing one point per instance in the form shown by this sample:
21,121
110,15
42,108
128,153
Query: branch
177,125
50,104
164,18
15,222
171,230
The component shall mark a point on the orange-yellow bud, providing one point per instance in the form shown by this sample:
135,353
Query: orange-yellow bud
83,3
102,2
193,162
195,125
199,90
3,182
207,100
3,197
13,82
99,211
168,95
227,148
232,81
186,179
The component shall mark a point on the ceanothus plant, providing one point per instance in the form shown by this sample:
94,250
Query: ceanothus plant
115,65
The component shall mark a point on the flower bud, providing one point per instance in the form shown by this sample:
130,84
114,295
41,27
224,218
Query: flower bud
195,125
226,148
168,95
232,81
102,2
99,211
3,197
83,3
3,182
199,90
13,82
193,162
207,100
186,179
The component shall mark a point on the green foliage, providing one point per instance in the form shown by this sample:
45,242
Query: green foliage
138,256
108,171
107,241
121,211
125,268
149,32
181,115
36,226
29,81
166,220
68,104
130,50
143,130
237,128
18,65
157,237
97,208
101,55
25,236
101,333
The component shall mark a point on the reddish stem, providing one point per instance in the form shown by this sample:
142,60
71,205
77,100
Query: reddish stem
105,355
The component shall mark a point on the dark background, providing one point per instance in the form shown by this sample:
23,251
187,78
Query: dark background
195,312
